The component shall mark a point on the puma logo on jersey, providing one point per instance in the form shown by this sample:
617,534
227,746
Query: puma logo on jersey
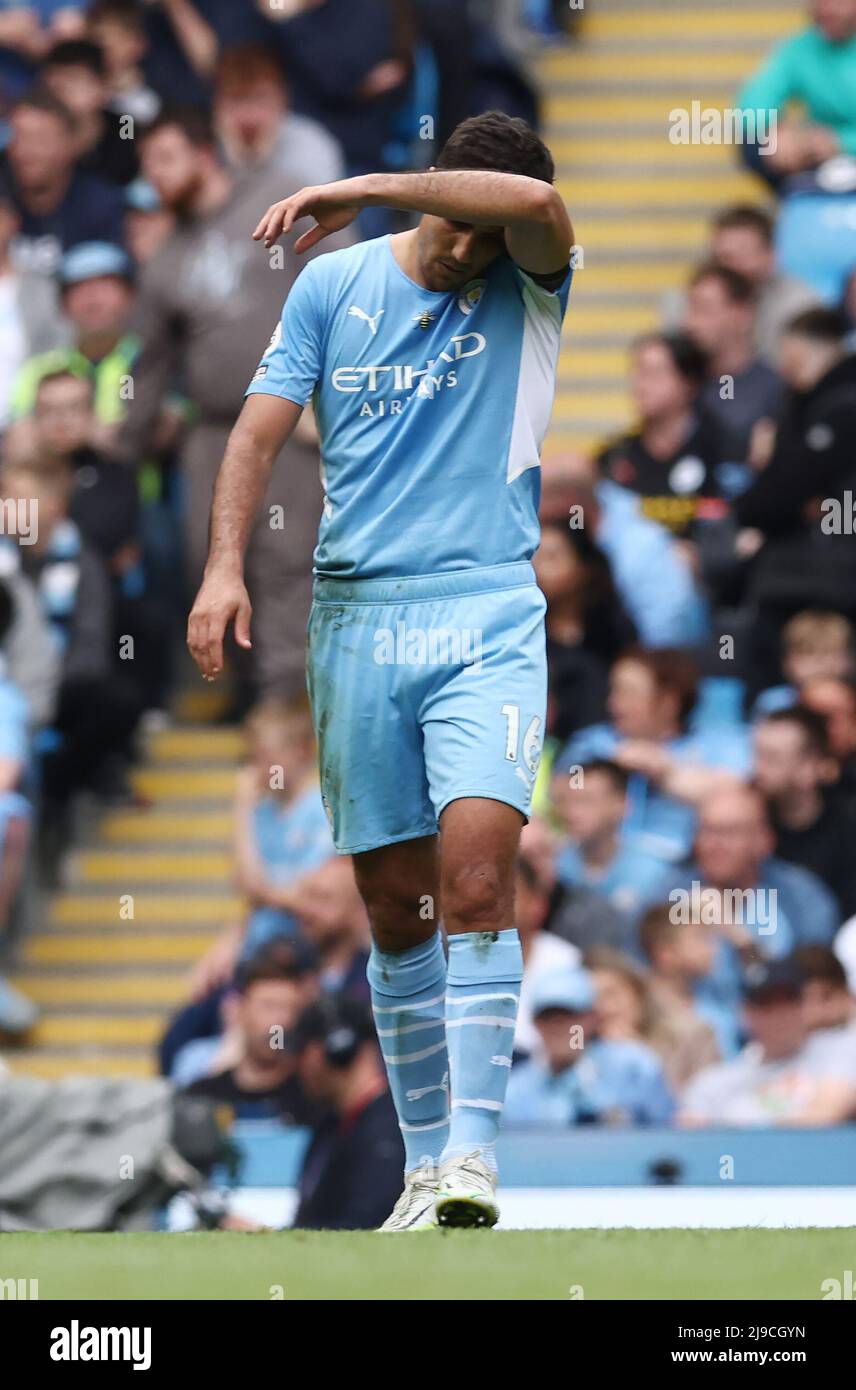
370,319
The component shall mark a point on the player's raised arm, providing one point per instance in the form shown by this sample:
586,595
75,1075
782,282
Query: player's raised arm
538,231
262,428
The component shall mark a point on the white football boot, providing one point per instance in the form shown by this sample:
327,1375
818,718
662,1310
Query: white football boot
467,1193
414,1210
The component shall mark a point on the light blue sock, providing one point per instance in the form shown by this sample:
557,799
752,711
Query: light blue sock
482,995
408,1001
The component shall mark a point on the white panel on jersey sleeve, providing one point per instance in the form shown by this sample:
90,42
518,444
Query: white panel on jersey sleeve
536,383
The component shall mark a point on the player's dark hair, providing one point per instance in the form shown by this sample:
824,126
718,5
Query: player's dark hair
672,670
812,726
821,325
746,217
617,776
77,53
195,124
504,144
40,99
736,286
689,360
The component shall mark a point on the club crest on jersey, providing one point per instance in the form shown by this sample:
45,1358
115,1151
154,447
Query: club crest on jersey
470,296
424,319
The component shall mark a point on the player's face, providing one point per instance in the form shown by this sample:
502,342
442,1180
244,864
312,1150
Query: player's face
657,387
175,166
837,18
453,253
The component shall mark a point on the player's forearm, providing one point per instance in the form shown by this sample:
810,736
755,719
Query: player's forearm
480,196
238,492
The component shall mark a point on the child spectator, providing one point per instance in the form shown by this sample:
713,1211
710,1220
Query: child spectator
577,1077
281,834
816,646
687,1031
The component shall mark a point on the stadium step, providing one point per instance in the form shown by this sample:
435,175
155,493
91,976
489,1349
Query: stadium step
640,204
141,902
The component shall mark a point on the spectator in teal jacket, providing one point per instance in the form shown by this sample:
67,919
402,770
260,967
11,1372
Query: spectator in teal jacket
816,68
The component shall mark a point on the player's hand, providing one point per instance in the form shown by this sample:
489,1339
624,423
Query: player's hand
331,205
221,600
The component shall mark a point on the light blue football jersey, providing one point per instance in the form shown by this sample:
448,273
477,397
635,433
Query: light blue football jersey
432,409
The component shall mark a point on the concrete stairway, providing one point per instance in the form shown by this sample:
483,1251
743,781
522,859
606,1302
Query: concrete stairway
640,204
143,902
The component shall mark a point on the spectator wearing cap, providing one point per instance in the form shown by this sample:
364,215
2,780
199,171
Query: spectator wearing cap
258,130
118,27
29,320
259,1081
58,204
741,239
670,460
351,1174
96,282
813,825
652,697
740,390
817,69
786,1075
75,72
592,807
799,508
578,1077
544,953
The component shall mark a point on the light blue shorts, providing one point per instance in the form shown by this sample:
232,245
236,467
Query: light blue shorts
425,690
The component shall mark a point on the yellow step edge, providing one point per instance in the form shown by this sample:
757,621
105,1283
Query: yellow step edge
616,319
709,23
120,950
107,867
141,826
626,190
57,1068
578,360
99,1030
203,704
605,405
150,991
641,234
186,745
79,909
673,64
168,784
600,151
616,109
655,275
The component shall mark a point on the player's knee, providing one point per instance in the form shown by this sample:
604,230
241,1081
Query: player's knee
476,898
394,916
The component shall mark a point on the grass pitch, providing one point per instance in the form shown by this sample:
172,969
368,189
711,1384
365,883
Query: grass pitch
543,1265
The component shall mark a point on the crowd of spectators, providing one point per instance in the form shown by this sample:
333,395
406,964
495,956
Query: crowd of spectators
685,884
